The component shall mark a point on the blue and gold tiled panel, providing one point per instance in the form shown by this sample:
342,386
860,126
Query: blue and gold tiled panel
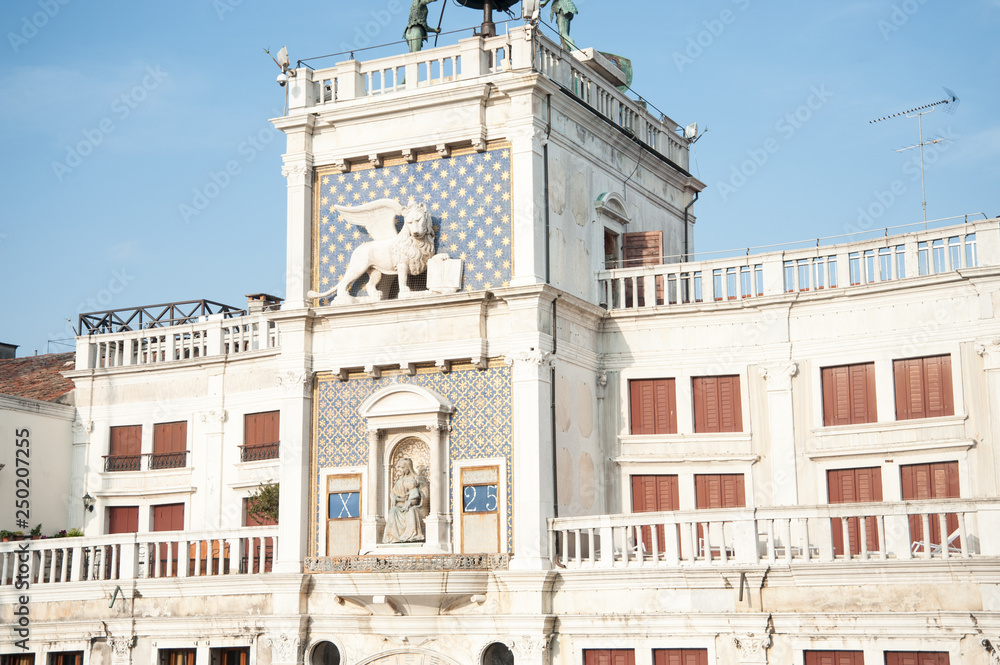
481,426
469,197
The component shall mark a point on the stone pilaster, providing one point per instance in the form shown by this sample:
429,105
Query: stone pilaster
437,522
293,469
372,520
781,431
298,171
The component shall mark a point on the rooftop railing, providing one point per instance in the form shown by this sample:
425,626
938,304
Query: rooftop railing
838,267
131,556
900,531
208,336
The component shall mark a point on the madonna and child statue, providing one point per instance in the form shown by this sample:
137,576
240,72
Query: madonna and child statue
409,506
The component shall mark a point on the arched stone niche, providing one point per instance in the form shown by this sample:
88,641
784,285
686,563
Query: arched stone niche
405,420
613,218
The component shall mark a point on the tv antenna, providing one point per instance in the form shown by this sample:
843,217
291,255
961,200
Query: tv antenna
919,113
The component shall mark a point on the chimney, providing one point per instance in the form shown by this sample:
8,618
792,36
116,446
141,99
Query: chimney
262,302
8,351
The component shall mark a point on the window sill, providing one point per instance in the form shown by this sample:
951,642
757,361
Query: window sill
887,426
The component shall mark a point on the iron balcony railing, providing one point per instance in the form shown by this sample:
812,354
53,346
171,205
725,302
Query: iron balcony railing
154,461
255,452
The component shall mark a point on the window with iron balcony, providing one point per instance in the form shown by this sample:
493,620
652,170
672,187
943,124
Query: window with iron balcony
260,436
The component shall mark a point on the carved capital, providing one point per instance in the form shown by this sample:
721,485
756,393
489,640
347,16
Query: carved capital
284,649
530,649
443,366
990,351
443,150
375,161
602,384
121,648
992,650
82,430
479,144
409,155
753,648
529,364
341,165
290,380
213,420
779,375
296,173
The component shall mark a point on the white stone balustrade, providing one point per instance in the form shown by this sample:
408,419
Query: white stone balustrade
520,50
780,535
842,266
132,556
215,336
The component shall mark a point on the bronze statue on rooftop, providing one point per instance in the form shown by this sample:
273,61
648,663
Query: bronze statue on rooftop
417,27
563,12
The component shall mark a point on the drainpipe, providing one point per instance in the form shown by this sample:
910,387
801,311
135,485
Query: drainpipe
686,208
545,175
552,414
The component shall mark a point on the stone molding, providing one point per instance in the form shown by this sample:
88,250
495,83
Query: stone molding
400,562
779,375
990,351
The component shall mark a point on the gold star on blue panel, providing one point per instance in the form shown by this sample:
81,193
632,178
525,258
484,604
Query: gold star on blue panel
468,195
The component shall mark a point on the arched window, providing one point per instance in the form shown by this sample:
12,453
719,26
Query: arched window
498,654
325,653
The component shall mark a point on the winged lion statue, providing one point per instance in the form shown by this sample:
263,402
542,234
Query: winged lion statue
401,253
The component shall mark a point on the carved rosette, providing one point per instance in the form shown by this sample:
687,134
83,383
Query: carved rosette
779,375
284,649
121,649
753,648
530,365
990,351
530,649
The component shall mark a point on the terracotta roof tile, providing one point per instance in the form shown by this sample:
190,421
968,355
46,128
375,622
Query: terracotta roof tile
37,377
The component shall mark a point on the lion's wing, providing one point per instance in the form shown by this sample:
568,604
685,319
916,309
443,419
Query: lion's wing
378,217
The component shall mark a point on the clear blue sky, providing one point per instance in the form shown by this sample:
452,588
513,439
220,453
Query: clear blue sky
162,94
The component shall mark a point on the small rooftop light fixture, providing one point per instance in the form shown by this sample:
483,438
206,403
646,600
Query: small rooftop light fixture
88,502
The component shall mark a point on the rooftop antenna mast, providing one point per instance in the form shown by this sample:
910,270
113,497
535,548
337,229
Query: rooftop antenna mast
919,113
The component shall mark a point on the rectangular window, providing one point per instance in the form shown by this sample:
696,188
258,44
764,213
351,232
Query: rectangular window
885,264
260,436
260,549
343,516
642,248
869,266
653,405
169,446
177,657
746,281
124,449
66,658
923,388
923,258
717,405
651,494
717,293
854,486
917,658
931,481
17,659
731,290
849,394
789,276
231,656
854,261
480,509
937,251
608,657
819,272
971,259
123,519
832,262
699,295
680,656
955,252
803,267
834,657
900,262
726,490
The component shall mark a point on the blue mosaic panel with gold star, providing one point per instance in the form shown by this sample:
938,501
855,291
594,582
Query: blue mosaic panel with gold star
469,197
481,426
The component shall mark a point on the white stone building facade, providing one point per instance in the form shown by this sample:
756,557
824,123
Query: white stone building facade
618,456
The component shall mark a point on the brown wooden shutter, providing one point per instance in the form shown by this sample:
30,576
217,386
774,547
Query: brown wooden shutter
126,440
931,481
680,657
717,405
653,405
917,658
720,491
849,395
834,658
609,657
654,494
170,437
168,517
642,248
123,519
937,386
261,428
854,486
924,388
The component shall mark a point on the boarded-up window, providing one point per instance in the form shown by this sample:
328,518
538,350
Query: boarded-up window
124,449
653,405
854,486
260,436
717,406
642,248
726,490
917,658
931,481
66,658
835,658
608,657
123,519
654,494
481,509
168,517
923,388
343,517
849,395
169,446
680,656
